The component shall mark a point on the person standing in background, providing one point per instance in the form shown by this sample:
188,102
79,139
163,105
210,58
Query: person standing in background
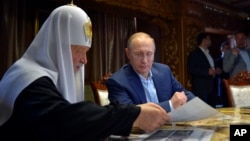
237,59
219,62
203,71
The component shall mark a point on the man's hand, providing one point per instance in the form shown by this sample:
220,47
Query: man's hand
178,99
218,71
212,72
151,117
235,51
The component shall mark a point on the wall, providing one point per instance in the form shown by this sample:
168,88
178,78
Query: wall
174,24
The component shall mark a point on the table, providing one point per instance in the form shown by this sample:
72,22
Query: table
220,124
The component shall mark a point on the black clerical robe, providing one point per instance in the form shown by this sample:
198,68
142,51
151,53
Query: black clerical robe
41,113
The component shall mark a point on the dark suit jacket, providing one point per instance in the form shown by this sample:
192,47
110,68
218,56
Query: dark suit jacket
203,84
222,91
219,63
125,86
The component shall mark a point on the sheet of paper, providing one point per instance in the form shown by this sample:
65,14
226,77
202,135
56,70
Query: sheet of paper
195,109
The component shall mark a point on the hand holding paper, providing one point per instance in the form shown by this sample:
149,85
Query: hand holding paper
195,109
178,99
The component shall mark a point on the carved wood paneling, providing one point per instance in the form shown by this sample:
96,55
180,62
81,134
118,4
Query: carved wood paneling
175,47
190,28
213,15
169,45
158,8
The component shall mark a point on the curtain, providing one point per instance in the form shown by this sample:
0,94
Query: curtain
13,36
110,35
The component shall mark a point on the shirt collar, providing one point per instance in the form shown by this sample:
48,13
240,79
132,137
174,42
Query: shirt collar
204,50
150,75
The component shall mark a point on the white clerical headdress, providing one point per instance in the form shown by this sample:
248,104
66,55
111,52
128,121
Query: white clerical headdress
49,55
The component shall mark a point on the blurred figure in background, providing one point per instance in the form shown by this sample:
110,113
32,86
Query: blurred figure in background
223,100
237,59
203,71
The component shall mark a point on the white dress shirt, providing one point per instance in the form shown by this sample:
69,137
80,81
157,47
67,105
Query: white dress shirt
209,57
149,88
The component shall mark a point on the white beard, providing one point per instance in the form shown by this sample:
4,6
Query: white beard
79,84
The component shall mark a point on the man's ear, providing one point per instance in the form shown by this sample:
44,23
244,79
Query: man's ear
127,52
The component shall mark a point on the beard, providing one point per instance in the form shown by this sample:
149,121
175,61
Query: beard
79,83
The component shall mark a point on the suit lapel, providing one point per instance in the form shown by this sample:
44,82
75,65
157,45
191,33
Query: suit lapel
136,85
203,56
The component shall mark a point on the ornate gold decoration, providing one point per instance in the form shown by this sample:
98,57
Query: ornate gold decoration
88,29
241,78
191,28
169,47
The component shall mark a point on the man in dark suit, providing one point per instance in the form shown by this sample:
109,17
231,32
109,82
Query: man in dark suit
144,81
202,69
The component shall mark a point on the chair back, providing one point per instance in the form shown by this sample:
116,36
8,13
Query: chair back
100,90
238,89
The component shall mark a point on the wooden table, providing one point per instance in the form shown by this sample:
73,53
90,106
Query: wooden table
220,124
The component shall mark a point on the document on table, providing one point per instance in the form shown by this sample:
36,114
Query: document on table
195,109
171,134
192,134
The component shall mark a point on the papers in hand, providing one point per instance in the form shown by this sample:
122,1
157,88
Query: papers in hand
195,109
